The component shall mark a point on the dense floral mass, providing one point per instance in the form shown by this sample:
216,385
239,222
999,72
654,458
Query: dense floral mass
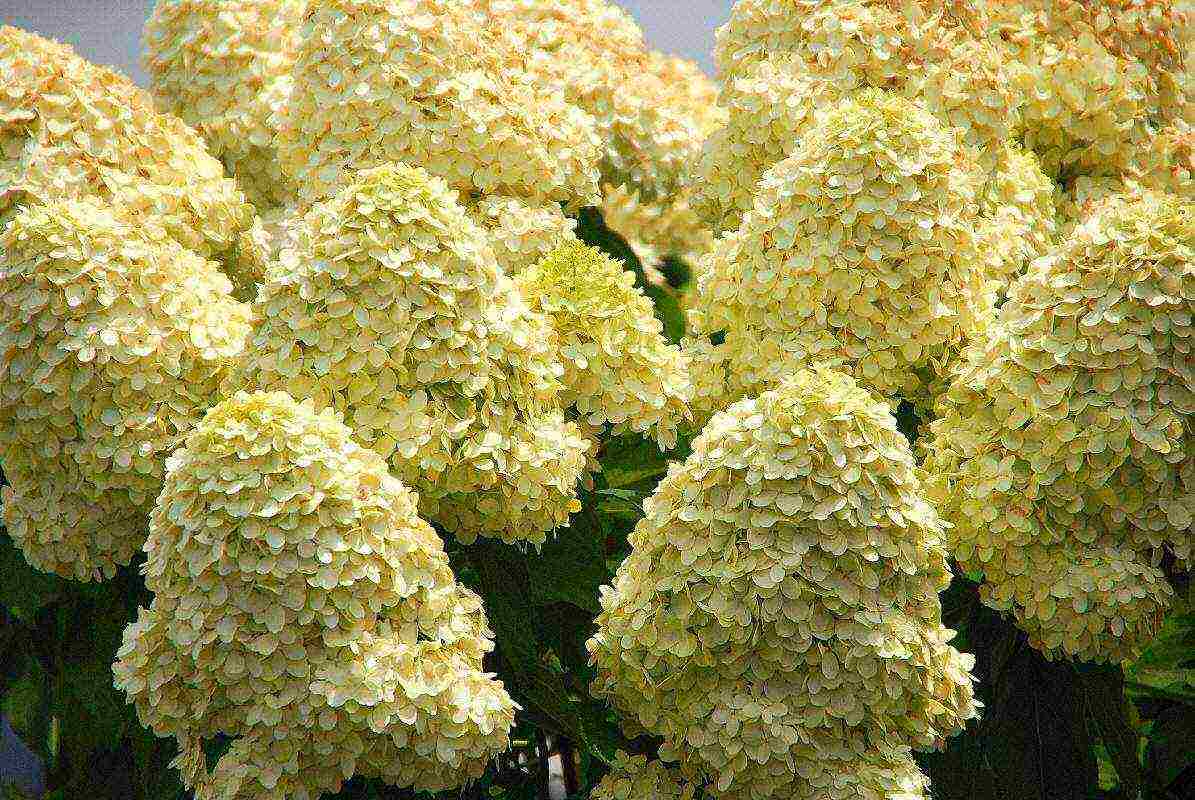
302,608
618,368
115,341
393,310
777,621
1065,451
862,250
341,294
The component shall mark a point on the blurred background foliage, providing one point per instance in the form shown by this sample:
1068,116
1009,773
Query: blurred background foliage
1049,730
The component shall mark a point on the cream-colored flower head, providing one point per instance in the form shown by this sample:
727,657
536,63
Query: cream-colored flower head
777,621
862,252
637,778
651,111
426,82
304,610
520,234
1019,209
1064,455
1156,34
224,68
929,51
770,104
619,370
656,230
393,310
70,129
114,345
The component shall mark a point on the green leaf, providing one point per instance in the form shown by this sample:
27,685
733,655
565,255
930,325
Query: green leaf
504,583
1171,750
1112,718
572,566
23,589
1032,741
631,460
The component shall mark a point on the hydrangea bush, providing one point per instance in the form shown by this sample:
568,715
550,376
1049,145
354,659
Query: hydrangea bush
460,398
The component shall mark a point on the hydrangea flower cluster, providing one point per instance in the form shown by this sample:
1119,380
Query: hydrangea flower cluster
395,313
862,251
782,60
1064,455
225,69
303,609
636,778
424,82
114,343
777,621
70,129
649,111
1096,79
619,370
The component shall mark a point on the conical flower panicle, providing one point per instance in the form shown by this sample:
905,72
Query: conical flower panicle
771,104
72,130
303,609
224,68
394,312
783,60
424,82
778,615
619,370
1064,453
650,111
863,252
114,344
1095,78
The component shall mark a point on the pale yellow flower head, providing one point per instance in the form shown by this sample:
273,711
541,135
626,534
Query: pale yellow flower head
619,370
114,345
426,82
392,309
1064,452
70,129
862,252
225,68
777,620
304,610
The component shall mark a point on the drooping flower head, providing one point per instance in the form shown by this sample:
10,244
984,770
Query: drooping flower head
70,129
619,370
225,68
1064,455
426,82
863,252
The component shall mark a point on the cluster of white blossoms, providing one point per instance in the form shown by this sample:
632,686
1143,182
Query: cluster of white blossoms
619,370
783,61
395,312
424,82
70,129
636,778
114,343
304,610
225,69
777,621
862,252
1064,455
